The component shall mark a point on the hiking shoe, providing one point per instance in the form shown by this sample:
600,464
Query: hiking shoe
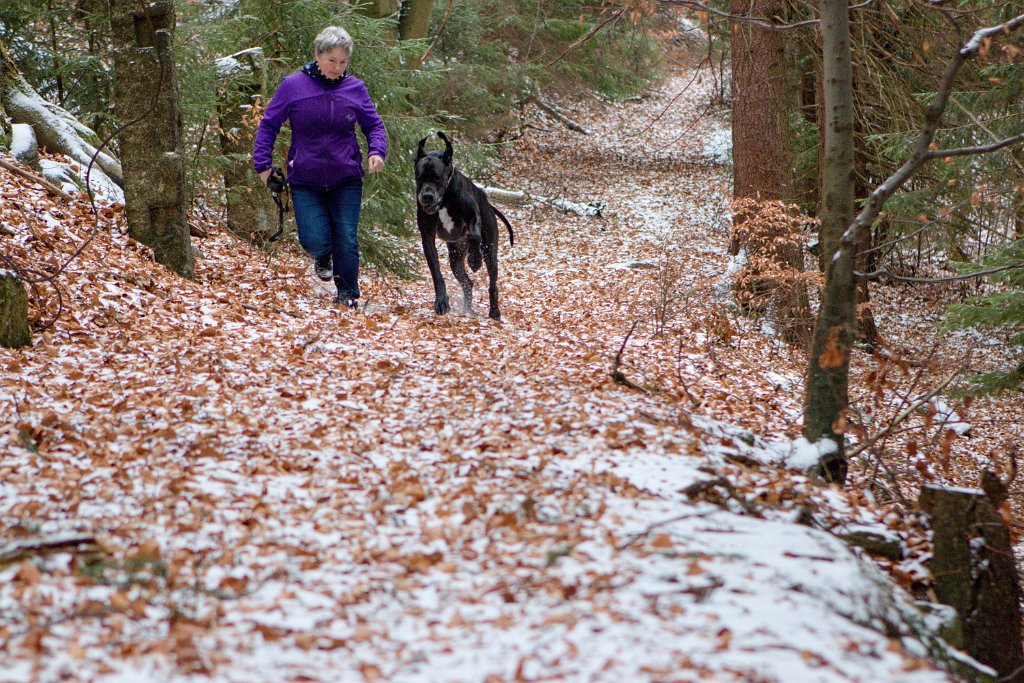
323,265
348,301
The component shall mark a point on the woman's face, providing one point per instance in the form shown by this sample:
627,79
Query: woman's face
332,63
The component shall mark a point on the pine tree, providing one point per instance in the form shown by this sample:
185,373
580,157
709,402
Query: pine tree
1001,310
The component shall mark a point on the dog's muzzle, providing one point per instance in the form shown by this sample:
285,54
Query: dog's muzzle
431,207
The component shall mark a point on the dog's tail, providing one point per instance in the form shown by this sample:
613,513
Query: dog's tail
511,235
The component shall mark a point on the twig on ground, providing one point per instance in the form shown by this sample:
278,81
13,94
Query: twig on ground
617,375
15,550
636,537
275,309
50,187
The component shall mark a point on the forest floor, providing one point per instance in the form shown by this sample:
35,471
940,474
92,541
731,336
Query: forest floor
240,481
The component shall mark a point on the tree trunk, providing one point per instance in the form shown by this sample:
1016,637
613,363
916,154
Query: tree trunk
827,382
146,94
14,332
762,167
380,9
55,129
414,23
974,571
762,170
867,329
251,213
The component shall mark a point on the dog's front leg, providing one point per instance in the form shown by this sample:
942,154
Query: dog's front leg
441,305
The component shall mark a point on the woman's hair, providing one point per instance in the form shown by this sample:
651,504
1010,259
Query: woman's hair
332,37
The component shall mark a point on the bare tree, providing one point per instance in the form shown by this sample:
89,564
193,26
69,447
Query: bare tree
826,396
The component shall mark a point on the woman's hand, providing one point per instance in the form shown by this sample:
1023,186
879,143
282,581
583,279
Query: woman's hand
375,163
264,175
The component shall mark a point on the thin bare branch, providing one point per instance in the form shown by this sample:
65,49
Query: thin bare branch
761,22
907,412
922,152
615,15
979,149
879,275
914,234
444,22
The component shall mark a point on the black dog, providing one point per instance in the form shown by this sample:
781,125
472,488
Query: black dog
450,206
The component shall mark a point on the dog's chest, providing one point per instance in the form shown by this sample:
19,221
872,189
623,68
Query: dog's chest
448,226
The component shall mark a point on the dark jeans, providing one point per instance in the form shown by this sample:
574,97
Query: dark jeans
327,219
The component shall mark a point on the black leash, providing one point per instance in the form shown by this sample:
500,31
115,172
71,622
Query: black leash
276,185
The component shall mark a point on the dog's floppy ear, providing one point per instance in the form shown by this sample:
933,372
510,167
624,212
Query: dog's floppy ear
419,151
447,156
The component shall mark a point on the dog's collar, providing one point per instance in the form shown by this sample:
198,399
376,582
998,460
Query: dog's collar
448,179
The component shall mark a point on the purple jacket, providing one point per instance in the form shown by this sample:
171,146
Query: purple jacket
324,150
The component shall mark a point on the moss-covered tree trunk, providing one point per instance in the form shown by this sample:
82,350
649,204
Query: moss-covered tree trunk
14,332
252,214
975,572
146,94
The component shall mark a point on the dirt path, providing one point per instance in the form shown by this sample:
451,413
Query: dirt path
389,495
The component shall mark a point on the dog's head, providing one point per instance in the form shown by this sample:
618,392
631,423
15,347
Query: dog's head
433,173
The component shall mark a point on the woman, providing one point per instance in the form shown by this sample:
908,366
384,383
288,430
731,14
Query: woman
323,104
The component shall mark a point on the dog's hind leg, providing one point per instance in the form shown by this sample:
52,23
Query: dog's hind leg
474,243
457,260
491,259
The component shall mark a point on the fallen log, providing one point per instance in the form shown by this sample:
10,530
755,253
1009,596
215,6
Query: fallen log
520,198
